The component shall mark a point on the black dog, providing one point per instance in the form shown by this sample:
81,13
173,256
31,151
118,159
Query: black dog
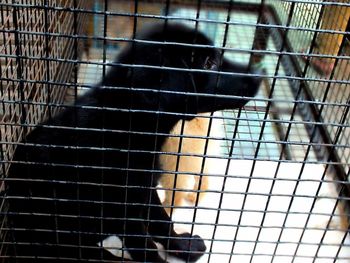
91,171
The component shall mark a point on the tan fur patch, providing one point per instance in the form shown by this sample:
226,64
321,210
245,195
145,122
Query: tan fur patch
188,184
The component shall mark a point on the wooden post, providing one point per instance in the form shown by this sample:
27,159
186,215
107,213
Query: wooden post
334,18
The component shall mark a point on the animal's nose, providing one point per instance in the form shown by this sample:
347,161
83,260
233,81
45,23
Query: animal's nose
257,75
253,81
257,72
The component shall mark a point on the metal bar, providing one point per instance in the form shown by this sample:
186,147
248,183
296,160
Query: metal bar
307,94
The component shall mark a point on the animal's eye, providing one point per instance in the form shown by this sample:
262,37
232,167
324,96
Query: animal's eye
210,64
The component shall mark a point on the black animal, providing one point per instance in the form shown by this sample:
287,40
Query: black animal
91,171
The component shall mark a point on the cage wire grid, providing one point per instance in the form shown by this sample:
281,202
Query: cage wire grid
278,169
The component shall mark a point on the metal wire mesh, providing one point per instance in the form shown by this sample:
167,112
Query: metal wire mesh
277,169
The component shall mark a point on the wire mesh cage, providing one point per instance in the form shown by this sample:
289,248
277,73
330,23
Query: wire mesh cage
119,142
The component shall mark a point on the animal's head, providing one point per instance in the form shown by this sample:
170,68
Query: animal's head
181,71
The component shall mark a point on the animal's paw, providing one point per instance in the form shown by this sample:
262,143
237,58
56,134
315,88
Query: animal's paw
187,247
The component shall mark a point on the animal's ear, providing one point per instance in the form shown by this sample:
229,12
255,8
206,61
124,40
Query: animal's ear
192,98
116,74
190,86
183,97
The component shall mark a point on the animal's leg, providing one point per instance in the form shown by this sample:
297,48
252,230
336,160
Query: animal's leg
135,237
140,247
126,221
183,245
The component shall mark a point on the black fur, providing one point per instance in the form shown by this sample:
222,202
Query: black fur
87,173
